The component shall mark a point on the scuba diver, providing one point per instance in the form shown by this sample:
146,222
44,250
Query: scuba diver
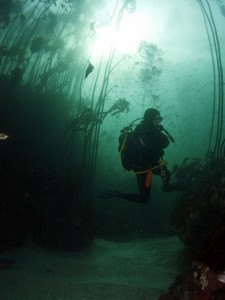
141,151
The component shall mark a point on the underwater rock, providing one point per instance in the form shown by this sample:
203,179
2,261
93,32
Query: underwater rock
198,218
199,282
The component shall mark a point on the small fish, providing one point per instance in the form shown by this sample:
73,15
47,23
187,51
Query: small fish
90,69
3,136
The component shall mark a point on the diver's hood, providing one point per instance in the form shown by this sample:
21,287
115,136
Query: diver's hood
149,115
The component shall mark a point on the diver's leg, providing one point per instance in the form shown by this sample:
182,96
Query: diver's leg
141,198
127,196
109,194
144,190
143,187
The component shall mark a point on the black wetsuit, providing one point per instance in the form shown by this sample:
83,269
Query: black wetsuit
143,151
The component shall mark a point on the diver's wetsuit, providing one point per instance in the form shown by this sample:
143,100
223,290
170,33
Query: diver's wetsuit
143,152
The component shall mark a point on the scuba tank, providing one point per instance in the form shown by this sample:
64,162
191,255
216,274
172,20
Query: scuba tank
124,139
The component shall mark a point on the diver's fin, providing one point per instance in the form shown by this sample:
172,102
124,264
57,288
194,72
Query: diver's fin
107,194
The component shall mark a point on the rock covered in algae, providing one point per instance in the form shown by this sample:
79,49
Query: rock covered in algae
199,216
199,282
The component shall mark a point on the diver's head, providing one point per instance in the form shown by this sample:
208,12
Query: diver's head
151,118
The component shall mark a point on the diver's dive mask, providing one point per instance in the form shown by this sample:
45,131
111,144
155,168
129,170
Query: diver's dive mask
157,120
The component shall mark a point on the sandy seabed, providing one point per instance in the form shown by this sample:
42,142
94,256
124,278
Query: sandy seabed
135,270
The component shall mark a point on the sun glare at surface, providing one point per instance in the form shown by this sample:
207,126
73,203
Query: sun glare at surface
132,31
133,28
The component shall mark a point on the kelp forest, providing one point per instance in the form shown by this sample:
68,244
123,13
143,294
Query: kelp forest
60,83
47,82
54,100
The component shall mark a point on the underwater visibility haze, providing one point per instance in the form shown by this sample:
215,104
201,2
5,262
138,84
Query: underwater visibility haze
73,74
